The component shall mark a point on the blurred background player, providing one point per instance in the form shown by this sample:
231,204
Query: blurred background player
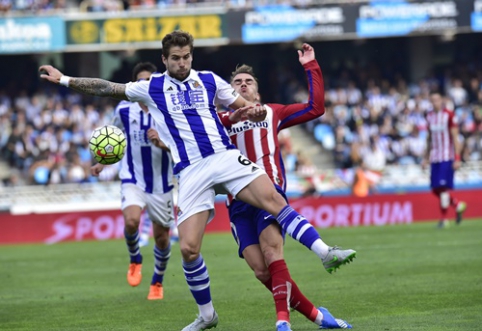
443,153
146,176
257,233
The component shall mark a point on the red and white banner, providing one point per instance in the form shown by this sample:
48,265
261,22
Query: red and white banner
321,212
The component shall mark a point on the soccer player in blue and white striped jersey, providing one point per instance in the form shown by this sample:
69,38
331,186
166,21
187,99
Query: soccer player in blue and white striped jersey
183,103
146,175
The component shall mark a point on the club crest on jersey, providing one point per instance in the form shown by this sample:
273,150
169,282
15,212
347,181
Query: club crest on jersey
195,84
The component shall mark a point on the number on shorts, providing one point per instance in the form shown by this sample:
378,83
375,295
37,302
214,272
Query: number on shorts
243,160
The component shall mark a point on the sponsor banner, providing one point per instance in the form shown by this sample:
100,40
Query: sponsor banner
150,29
282,23
400,18
344,211
476,16
77,226
31,34
370,19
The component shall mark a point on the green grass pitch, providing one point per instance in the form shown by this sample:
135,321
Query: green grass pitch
406,277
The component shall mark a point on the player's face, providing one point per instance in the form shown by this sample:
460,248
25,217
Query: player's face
246,86
178,63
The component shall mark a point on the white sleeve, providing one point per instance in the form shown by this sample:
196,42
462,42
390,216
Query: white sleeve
225,94
138,91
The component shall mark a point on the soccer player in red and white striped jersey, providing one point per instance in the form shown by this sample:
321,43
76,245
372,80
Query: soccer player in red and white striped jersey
443,153
258,235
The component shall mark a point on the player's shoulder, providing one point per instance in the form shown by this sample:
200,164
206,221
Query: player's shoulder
131,106
157,75
123,104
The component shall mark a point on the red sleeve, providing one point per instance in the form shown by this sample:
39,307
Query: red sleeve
452,120
297,113
224,117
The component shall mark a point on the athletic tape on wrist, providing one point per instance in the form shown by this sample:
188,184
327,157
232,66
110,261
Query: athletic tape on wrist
64,81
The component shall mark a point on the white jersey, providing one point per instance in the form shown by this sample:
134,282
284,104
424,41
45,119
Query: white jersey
186,112
148,167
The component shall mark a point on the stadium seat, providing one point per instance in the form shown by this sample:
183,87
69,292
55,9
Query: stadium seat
324,134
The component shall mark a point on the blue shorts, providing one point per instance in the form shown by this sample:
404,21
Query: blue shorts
442,175
247,222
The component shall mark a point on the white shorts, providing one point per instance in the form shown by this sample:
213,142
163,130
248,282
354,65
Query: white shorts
159,206
230,171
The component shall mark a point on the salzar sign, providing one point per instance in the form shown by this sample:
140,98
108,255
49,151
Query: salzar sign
377,210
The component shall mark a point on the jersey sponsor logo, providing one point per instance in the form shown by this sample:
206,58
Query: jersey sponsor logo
139,138
193,99
247,125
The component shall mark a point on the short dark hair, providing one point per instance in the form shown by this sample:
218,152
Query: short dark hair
142,66
177,38
243,69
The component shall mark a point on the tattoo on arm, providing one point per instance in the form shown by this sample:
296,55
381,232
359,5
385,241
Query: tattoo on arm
98,87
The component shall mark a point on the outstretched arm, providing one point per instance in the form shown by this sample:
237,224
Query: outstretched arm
91,86
297,113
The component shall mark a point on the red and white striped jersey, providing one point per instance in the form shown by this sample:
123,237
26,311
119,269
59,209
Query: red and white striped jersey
259,140
441,145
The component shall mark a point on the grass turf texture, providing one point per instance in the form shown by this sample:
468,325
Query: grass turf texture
408,277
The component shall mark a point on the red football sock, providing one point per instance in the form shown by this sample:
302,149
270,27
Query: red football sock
281,288
301,303
298,301
269,284
443,211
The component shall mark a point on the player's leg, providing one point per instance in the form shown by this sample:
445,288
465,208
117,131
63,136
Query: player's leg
441,182
261,193
162,253
195,210
132,205
191,233
159,210
246,224
271,244
459,206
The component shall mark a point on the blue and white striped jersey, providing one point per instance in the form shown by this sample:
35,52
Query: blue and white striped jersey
186,113
143,164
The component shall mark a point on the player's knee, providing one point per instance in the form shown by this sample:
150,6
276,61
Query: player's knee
274,202
262,274
132,224
189,252
444,199
272,253
162,239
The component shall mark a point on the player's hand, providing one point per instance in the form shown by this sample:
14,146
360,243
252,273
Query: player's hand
239,114
50,73
95,170
456,165
153,136
424,164
257,113
306,54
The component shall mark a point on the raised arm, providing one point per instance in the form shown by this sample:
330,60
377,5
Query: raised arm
297,113
91,86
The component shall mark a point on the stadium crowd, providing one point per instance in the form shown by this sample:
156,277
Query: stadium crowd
370,121
46,6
